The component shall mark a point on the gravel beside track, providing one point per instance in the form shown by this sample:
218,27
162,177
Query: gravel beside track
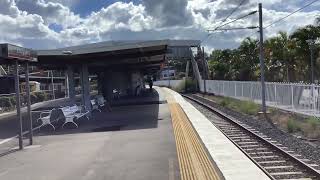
308,153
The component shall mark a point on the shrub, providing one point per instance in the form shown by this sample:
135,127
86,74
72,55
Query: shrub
13,100
41,96
38,97
293,126
6,102
311,127
188,85
33,98
248,107
225,102
313,122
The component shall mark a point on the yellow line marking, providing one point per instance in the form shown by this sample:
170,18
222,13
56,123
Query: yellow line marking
193,159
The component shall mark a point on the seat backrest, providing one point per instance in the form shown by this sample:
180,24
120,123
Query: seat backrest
100,100
54,114
65,108
74,108
93,102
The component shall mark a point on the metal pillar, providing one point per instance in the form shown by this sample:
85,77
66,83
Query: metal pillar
66,85
17,88
29,117
85,84
71,88
263,86
312,63
187,74
52,85
204,69
108,85
195,70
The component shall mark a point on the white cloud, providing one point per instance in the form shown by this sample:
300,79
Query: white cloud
51,12
27,22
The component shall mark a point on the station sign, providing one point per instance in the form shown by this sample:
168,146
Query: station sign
9,51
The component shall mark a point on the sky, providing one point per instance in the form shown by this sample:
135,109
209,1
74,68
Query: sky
49,24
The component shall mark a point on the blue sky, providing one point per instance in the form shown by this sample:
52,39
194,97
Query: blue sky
43,24
84,8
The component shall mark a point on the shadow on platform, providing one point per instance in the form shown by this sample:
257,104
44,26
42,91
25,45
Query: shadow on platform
128,113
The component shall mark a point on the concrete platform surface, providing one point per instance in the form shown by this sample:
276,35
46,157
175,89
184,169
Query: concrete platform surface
135,142
233,164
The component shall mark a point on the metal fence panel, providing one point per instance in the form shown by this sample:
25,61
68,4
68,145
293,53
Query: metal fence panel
295,97
300,98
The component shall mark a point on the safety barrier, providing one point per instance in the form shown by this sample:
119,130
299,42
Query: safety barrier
168,83
295,97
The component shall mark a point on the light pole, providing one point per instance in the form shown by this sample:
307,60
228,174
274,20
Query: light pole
311,43
261,57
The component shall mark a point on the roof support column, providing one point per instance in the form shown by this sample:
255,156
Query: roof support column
196,71
71,88
18,104
29,104
108,87
85,84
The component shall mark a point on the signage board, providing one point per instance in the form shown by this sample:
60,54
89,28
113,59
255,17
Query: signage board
9,51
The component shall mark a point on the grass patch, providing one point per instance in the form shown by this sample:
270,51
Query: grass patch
311,127
247,107
293,126
226,102
308,127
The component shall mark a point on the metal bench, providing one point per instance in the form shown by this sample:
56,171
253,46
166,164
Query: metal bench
47,118
72,113
102,102
95,105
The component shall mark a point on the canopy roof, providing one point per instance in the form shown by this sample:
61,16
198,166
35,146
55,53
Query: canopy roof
113,53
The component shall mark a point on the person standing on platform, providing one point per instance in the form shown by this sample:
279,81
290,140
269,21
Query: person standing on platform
150,82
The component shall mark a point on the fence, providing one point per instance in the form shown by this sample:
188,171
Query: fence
168,83
295,97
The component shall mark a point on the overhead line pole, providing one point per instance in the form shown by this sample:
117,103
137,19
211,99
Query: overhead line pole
261,57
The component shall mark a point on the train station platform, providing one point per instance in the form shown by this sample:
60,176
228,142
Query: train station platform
134,141
232,163
156,137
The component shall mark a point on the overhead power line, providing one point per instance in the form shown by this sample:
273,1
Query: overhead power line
241,17
283,18
219,27
233,11
238,28
226,18
305,6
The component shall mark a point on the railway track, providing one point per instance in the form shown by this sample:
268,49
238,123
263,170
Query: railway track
276,160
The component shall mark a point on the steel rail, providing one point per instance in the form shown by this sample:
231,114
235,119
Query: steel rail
232,120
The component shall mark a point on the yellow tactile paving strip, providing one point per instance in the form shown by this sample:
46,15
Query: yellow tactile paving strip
193,159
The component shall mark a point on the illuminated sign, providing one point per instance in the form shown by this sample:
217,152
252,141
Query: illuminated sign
9,51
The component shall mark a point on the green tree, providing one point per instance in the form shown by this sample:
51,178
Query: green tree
247,61
280,61
302,54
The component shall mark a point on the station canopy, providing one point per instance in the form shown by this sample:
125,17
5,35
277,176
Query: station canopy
129,54
10,53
